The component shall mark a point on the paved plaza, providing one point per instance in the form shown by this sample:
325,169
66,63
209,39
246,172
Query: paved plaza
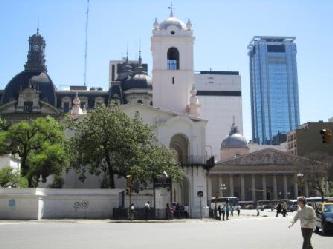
241,232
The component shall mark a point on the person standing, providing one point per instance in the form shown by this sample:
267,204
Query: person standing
219,209
223,212
307,217
227,209
278,209
131,211
168,212
147,209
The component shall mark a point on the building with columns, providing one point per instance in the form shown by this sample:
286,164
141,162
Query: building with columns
267,174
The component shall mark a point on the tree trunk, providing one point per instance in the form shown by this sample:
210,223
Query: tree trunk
111,176
110,170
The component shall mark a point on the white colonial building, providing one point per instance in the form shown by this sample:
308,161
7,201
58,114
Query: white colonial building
176,115
220,97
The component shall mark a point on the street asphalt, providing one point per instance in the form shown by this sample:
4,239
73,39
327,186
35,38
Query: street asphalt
245,232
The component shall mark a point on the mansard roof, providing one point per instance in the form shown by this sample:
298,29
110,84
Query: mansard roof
36,79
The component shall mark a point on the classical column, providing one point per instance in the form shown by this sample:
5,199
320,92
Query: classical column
219,187
231,184
296,186
274,188
264,187
242,188
285,187
253,188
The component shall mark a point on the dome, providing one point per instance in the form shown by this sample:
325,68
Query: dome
139,81
172,21
142,76
38,80
234,141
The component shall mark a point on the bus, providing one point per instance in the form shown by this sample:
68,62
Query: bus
232,200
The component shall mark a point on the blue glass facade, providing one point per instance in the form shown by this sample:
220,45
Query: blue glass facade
274,87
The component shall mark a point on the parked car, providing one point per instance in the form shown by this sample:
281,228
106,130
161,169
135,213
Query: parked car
324,217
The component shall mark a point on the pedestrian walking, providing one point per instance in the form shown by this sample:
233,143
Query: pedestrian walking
168,212
238,210
131,211
223,213
278,209
231,210
284,209
307,217
219,209
147,210
227,209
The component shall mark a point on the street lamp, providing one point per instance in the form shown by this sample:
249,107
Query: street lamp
299,180
129,191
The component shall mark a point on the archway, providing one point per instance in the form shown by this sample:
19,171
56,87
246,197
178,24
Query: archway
173,59
180,190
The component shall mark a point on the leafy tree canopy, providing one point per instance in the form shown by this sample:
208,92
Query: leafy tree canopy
108,141
41,146
11,178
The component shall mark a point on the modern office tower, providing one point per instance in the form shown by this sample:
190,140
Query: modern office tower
274,88
220,97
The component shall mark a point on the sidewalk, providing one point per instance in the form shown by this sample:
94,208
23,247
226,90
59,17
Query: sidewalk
244,214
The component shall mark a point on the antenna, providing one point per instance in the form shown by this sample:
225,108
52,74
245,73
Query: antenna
86,47
140,59
171,8
37,25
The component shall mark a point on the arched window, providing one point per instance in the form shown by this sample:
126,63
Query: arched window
173,59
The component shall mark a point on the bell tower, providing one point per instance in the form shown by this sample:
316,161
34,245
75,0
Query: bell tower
172,50
36,57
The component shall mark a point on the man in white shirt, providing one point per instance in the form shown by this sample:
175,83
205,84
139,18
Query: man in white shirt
307,217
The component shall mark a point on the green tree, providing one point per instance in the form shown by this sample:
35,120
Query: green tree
11,178
41,146
108,141
319,174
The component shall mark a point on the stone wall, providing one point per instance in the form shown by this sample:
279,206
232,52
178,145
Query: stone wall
43,203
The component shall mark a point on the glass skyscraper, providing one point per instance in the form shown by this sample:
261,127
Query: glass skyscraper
274,88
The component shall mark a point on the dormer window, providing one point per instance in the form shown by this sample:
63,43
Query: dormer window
173,59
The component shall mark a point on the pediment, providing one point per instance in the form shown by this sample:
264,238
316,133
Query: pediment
268,157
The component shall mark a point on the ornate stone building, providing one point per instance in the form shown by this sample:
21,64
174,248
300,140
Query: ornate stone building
32,93
267,174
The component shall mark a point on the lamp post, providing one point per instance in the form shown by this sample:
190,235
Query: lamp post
299,180
129,191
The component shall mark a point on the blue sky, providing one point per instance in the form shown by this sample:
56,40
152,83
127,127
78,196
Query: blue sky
222,29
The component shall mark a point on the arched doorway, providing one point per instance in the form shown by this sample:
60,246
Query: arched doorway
180,190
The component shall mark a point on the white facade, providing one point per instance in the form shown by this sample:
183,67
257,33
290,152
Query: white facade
220,98
42,203
11,161
168,126
172,51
